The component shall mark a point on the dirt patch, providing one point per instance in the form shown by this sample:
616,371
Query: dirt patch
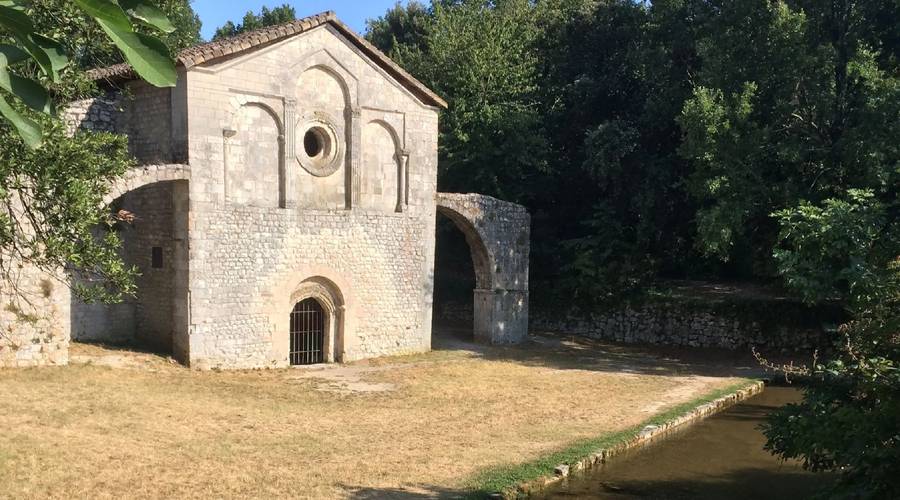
134,425
347,379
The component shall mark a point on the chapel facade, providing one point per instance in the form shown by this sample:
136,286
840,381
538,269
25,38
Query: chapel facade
283,211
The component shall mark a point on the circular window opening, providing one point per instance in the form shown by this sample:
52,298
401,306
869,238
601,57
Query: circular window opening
314,142
320,152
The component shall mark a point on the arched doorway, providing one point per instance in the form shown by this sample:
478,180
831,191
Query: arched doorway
314,332
461,268
308,323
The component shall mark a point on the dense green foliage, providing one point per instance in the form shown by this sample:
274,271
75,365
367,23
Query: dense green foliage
53,207
266,17
715,139
85,40
35,66
52,185
849,420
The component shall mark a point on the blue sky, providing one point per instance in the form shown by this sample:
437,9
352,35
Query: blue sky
215,13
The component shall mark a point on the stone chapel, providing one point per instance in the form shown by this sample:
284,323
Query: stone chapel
284,212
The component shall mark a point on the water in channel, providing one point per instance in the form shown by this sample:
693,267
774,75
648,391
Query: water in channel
719,458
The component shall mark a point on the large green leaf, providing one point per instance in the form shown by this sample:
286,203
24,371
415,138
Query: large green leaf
28,129
148,14
28,91
48,53
107,11
14,18
13,54
147,55
54,51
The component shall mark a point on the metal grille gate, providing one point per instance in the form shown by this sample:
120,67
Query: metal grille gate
307,333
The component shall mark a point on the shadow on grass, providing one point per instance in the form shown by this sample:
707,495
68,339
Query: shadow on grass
422,492
578,353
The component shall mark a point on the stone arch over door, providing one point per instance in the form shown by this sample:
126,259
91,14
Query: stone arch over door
329,296
498,234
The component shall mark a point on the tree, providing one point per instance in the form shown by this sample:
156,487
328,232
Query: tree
84,39
400,28
792,132
797,105
266,17
615,76
52,185
849,420
34,59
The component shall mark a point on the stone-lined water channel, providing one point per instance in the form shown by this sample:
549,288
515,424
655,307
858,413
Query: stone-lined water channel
721,457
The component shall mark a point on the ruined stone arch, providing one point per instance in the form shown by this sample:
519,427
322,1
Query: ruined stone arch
142,176
482,260
153,205
498,234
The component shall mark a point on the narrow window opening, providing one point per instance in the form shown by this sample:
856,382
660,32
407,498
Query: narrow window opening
157,257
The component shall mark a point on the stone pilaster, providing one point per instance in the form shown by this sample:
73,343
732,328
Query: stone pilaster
354,151
289,155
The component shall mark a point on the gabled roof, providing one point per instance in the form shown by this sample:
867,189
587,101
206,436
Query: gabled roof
207,52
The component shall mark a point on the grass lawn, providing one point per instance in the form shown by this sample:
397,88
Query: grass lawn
120,424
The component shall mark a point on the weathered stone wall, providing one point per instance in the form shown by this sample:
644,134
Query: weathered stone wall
331,218
674,324
148,116
685,326
153,118
375,261
101,114
150,317
34,311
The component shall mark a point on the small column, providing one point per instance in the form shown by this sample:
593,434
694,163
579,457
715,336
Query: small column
402,181
288,142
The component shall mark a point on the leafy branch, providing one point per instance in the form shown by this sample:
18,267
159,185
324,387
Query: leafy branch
147,54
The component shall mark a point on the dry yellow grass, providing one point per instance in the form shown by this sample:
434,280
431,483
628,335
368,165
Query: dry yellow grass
402,426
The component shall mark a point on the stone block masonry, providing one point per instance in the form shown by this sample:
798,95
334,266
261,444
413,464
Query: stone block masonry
288,165
684,326
34,316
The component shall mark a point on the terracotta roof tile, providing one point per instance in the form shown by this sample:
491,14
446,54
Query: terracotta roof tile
211,51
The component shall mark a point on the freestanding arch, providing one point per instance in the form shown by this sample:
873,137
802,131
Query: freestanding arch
498,233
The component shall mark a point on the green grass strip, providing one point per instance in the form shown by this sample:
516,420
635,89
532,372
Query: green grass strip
509,476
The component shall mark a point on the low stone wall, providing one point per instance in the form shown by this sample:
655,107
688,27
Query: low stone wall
34,317
776,326
100,114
